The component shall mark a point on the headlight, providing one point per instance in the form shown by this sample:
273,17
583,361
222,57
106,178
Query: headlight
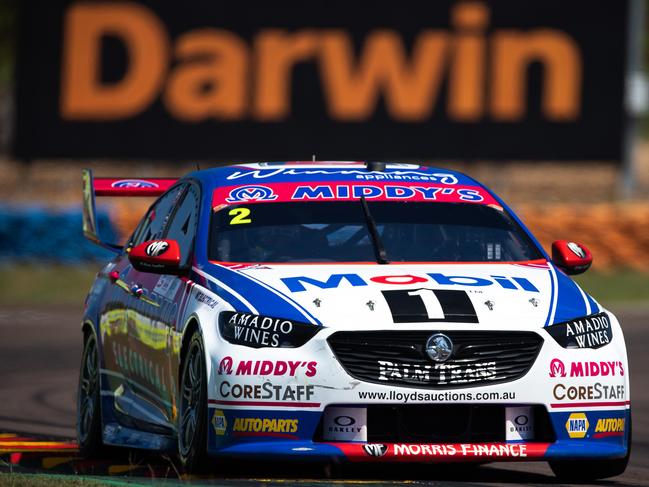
593,331
263,331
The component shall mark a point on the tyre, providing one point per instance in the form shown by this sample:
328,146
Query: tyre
192,417
581,470
88,400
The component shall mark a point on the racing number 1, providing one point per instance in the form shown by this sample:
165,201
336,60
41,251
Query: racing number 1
239,216
431,303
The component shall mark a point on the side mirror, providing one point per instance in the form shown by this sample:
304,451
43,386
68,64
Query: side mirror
571,257
156,256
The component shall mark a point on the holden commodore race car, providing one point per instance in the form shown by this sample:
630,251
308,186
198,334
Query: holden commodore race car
369,312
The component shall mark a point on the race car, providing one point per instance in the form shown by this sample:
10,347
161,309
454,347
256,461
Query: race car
368,312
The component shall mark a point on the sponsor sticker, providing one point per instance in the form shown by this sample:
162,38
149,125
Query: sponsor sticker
577,425
375,449
134,183
375,190
263,331
201,297
345,424
609,425
590,332
519,423
156,248
441,373
167,286
219,422
462,449
290,368
250,194
563,392
601,368
267,392
264,425
297,284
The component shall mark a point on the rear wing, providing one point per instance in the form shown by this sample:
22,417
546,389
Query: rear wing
93,187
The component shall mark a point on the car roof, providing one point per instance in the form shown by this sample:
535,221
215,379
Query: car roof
312,171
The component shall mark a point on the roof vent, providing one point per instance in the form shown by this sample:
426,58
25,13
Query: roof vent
375,166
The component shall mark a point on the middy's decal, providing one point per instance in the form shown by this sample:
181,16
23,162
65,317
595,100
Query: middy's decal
251,193
586,369
133,183
297,283
289,368
430,305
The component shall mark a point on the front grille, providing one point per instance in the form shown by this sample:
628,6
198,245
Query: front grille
445,423
399,357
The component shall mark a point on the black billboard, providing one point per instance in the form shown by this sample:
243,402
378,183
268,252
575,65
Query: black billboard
498,79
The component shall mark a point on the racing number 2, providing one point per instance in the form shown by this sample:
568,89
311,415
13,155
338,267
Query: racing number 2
240,216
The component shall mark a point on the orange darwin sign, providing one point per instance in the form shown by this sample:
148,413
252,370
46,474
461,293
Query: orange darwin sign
464,79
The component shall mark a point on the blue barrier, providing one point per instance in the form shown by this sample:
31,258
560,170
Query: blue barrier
36,233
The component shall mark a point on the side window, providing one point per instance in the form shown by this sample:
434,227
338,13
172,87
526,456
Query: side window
153,224
183,226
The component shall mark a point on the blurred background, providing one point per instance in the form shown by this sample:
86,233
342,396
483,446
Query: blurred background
543,101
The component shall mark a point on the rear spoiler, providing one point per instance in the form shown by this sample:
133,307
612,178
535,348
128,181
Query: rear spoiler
92,187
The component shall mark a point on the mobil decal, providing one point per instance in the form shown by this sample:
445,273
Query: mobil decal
299,283
289,368
586,369
351,191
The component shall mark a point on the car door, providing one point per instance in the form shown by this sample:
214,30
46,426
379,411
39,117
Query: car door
154,331
130,374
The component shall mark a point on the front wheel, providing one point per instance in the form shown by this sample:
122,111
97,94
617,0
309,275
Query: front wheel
88,400
581,470
192,417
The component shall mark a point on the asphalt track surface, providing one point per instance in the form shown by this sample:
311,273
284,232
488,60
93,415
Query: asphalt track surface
40,351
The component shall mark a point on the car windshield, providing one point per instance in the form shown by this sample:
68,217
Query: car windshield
338,232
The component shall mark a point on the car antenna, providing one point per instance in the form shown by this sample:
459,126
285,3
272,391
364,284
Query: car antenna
375,166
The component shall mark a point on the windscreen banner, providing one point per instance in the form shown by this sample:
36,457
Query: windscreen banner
253,80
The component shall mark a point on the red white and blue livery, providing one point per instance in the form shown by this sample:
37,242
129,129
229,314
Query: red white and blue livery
369,312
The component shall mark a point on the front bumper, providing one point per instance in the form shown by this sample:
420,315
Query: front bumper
278,410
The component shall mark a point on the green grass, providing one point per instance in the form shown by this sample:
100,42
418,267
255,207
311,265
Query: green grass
620,287
24,285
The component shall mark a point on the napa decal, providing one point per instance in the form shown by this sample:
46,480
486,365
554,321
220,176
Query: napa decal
298,284
577,425
371,190
219,422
